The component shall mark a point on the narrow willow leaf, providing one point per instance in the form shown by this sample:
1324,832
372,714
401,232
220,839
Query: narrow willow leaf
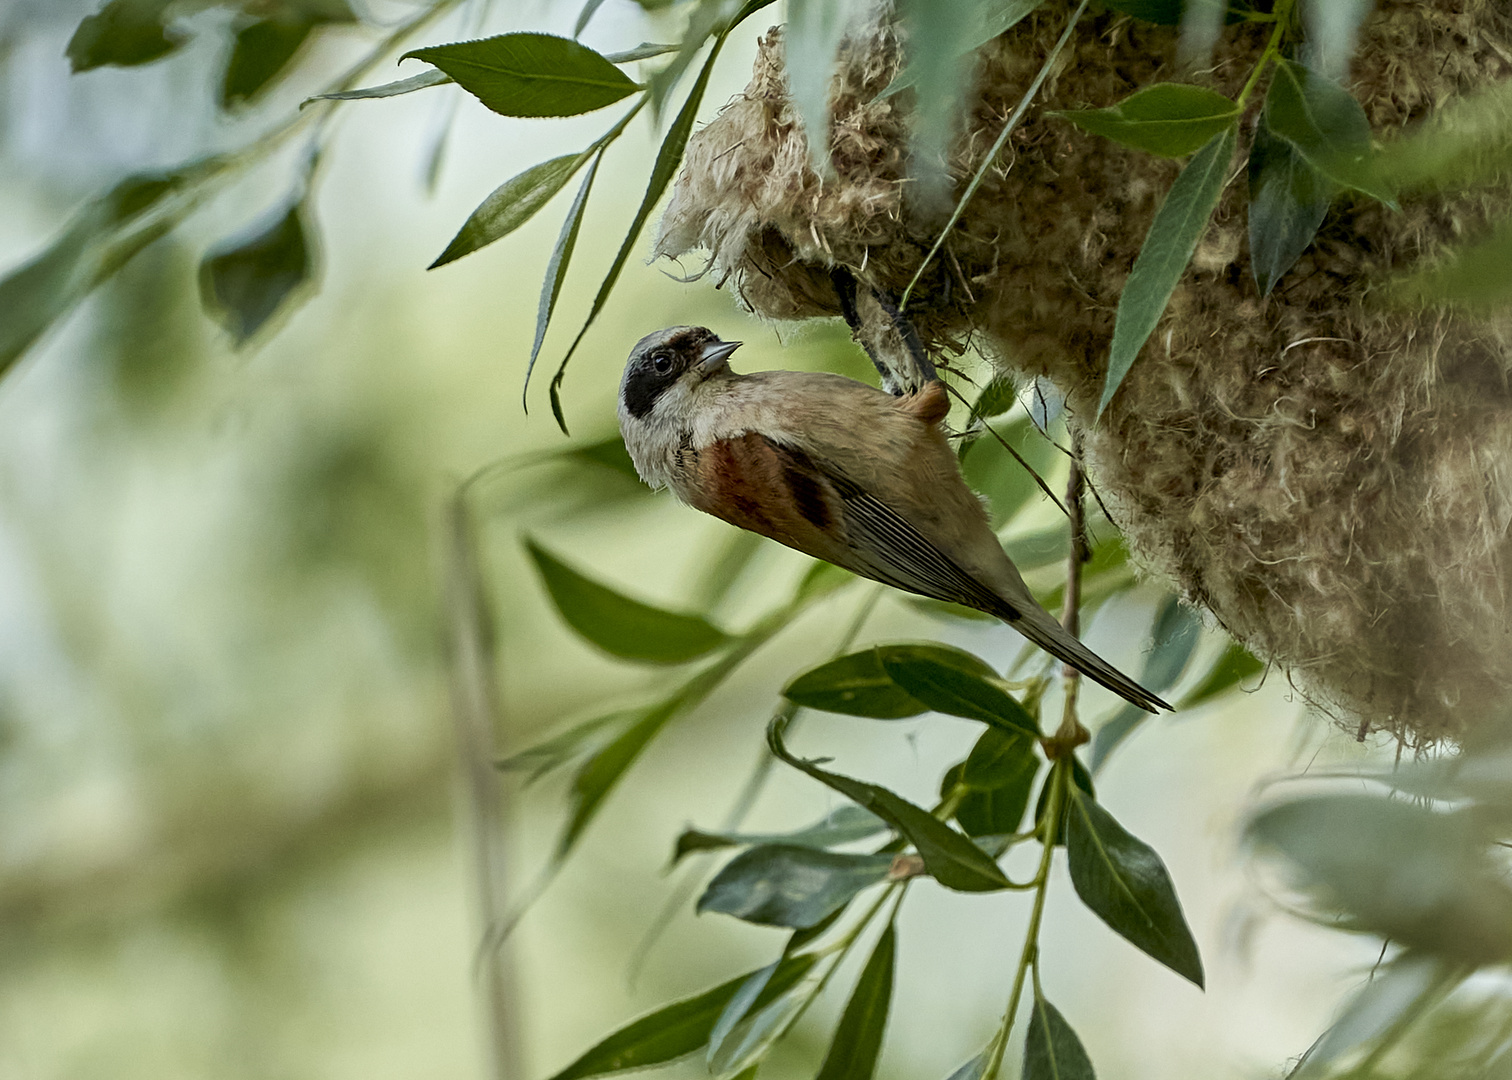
247,282
1051,1049
678,1029
950,858
550,754
511,205
1477,277
1235,665
644,51
433,77
739,1007
939,47
855,685
975,1069
843,825
556,273
1124,882
1172,643
1326,125
623,627
787,885
599,775
1163,258
531,74
992,22
810,41
590,8
1288,200
999,773
950,689
996,398
1168,119
752,1038
668,158
857,1044
124,33
1034,550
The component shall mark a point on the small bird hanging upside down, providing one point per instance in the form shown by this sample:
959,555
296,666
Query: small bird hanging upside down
836,469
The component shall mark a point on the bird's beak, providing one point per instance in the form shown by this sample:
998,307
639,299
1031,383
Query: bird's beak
714,355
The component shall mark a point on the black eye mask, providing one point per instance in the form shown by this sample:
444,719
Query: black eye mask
644,384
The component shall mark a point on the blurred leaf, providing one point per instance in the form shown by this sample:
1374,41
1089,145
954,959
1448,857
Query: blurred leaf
245,283
678,1029
1051,1049
511,205
1172,642
792,886
259,53
944,609
1468,141
585,16
1122,879
996,398
1327,126
1043,548
1418,876
823,578
1162,12
531,74
546,756
621,626
993,20
1332,32
992,471
607,453
1288,200
704,18
599,775
1168,247
810,42
957,689
857,1044
974,1069
1477,277
124,33
433,77
843,825
1168,119
1082,778
556,273
1235,665
999,772
1107,574
644,51
749,1040
940,38
951,859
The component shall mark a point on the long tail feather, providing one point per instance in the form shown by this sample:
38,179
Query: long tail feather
1040,627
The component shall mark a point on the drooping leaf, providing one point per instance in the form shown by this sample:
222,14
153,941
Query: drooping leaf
950,858
752,1038
511,205
792,886
1163,258
531,74
958,690
845,824
855,685
1327,126
1172,642
996,398
1288,200
940,37
260,52
433,77
622,627
740,1005
1168,119
1476,277
1051,1049
556,273
599,775
1000,773
857,1044
1235,665
124,33
810,41
1125,883
992,21
680,1028
246,282
550,754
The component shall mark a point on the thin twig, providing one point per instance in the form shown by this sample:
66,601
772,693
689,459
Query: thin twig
1071,733
1016,456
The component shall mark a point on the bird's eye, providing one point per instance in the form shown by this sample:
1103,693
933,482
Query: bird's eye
662,363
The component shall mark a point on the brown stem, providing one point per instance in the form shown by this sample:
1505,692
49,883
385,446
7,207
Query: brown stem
1071,734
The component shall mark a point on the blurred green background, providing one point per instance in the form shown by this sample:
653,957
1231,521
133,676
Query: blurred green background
233,838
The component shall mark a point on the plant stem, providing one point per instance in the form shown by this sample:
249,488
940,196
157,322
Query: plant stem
1071,733
1282,17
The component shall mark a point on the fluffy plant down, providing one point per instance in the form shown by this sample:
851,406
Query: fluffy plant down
1329,475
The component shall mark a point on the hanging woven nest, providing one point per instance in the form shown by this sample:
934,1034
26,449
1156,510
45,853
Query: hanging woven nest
1331,477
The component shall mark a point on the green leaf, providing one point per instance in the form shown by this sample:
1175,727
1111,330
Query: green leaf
1326,125
1124,882
678,1029
957,690
950,858
854,685
1161,12
974,1069
1477,277
1288,200
585,16
1163,258
843,825
511,205
1168,119
753,1037
1051,1049
1173,640
531,74
1082,778
1235,665
810,42
599,775
1043,548
668,158
940,38
556,273
991,21
433,77
857,1043
261,51
621,626
644,51
124,33
996,398
999,772
1466,142
547,756
993,472
792,886
246,282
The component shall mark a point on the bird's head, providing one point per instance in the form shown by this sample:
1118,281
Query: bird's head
665,368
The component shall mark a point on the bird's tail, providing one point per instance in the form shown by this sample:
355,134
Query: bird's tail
1040,627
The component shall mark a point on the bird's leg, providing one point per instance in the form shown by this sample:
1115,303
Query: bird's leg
887,335
1071,733
923,366
845,289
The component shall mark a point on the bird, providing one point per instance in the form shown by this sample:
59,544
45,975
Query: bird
837,469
